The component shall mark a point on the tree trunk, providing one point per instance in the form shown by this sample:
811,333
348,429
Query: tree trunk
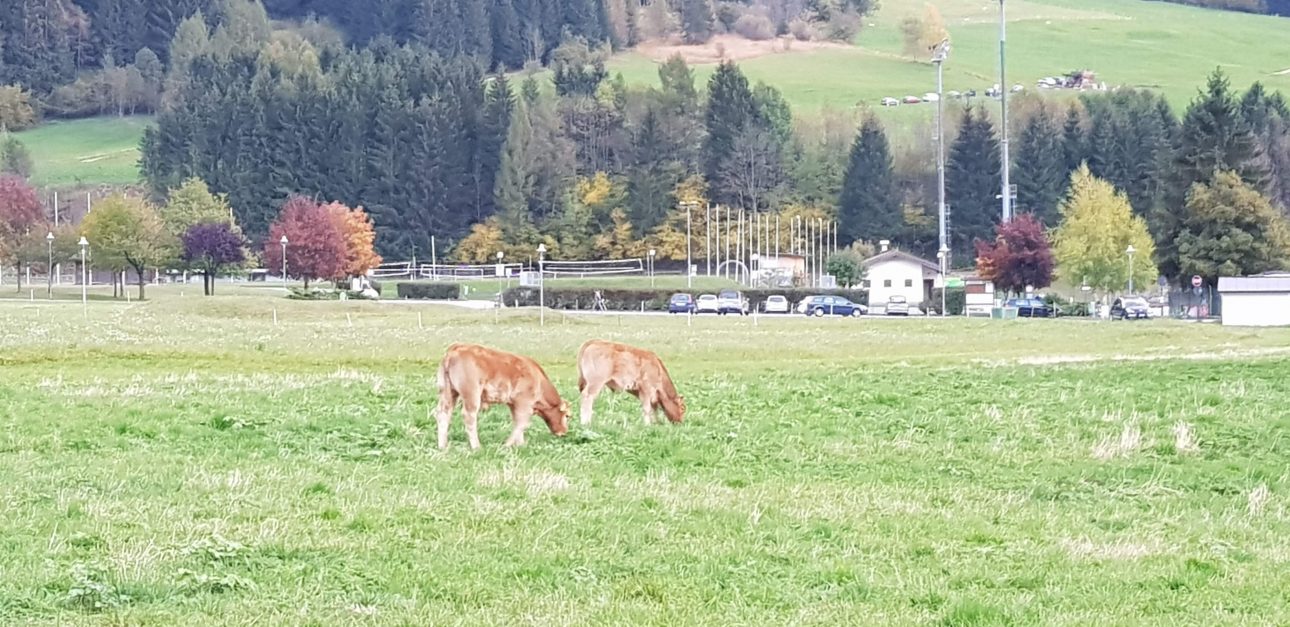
143,282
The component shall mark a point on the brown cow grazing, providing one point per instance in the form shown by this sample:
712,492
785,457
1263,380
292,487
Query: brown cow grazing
480,376
621,367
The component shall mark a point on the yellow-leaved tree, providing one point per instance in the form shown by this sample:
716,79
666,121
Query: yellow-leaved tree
1098,226
360,238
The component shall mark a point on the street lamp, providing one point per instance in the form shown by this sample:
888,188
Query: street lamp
941,256
283,241
541,250
84,243
940,52
49,270
651,267
1129,251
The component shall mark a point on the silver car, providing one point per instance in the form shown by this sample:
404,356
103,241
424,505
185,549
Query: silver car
776,304
897,306
707,303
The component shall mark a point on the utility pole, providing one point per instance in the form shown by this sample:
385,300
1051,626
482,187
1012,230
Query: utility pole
940,52
1004,90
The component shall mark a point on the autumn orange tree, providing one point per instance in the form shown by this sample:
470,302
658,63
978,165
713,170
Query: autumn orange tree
355,228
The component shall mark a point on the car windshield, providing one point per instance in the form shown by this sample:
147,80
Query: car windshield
897,299
729,294
775,299
681,298
1136,301
707,297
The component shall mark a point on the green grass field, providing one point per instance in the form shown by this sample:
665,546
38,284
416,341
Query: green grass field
91,151
188,461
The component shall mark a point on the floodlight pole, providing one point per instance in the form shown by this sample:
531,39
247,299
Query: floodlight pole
941,256
1129,251
940,53
49,269
84,272
1003,114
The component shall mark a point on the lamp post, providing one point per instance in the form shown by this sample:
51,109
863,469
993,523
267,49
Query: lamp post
541,250
651,267
1129,251
84,244
283,241
941,256
49,269
940,52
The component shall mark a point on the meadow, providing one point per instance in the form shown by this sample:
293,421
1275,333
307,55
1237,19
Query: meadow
187,460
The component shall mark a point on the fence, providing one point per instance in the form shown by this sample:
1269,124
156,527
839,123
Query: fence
1195,303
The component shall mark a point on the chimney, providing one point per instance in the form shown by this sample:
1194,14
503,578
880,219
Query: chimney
883,245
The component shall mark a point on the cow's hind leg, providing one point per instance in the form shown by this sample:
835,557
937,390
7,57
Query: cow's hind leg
443,416
589,393
470,415
520,416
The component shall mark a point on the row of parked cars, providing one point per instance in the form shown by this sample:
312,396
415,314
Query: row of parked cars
733,302
1124,308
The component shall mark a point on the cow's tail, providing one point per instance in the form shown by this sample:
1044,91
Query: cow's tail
447,398
582,380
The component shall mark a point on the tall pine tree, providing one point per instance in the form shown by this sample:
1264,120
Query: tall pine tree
972,182
1040,170
731,109
868,207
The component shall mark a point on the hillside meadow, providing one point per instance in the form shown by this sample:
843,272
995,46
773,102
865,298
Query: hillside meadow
189,460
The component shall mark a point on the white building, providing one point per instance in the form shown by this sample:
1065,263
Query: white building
895,273
1256,301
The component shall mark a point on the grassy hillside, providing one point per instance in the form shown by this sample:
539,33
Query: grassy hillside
93,151
1136,43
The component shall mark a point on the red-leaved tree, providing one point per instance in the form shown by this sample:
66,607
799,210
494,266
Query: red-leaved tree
20,212
1018,257
315,244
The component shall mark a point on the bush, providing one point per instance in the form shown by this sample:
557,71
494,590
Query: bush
575,298
728,13
314,293
16,110
955,301
421,290
801,29
755,27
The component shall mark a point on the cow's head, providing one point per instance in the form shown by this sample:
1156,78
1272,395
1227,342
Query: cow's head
557,417
674,409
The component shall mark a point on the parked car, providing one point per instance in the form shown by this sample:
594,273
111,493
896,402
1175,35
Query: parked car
897,306
911,100
707,303
1031,308
971,93
680,303
951,94
890,102
819,306
776,304
1130,308
931,96
731,301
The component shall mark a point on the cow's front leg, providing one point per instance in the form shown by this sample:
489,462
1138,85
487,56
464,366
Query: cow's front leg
589,400
647,407
520,415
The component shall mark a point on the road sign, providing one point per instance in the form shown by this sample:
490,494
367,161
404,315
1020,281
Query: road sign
1196,281
1162,281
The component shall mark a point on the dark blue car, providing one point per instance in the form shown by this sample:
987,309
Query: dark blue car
680,303
831,306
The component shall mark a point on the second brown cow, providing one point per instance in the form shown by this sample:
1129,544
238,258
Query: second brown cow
626,368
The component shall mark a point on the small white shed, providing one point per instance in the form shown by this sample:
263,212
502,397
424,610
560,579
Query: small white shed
1256,301
895,273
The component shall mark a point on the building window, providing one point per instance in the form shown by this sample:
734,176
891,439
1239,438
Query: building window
886,283
909,283
865,283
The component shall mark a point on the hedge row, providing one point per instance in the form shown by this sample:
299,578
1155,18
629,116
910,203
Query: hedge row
955,301
429,291
654,300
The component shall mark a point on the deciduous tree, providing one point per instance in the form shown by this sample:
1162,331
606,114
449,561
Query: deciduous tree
1019,257
127,232
212,247
1098,225
359,237
20,213
1230,229
193,203
315,244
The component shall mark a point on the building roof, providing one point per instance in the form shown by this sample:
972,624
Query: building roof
893,255
1265,283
